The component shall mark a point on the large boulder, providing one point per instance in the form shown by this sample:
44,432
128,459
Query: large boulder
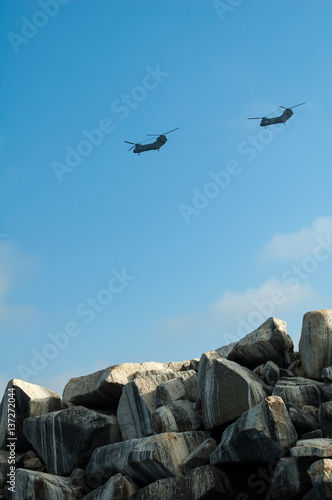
34,485
299,391
226,389
65,439
23,400
117,487
182,387
321,448
148,459
103,388
325,418
290,478
176,417
200,456
315,345
320,474
269,342
263,433
201,483
138,401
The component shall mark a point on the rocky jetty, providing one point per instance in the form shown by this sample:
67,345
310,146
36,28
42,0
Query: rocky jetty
250,420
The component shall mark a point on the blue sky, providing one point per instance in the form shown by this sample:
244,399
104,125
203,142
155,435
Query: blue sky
108,257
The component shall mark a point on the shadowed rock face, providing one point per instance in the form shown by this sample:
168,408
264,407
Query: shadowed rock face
138,401
299,391
226,389
202,483
263,433
270,342
116,488
320,474
290,478
40,486
29,400
316,342
148,459
75,431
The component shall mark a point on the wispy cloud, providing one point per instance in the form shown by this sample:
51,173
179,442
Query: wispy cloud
236,313
299,244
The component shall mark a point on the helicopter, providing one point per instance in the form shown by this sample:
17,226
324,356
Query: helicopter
157,144
265,121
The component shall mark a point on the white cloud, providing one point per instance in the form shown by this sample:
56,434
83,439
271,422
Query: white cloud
237,313
299,244
15,266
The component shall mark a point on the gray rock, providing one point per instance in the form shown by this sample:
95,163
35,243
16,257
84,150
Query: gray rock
320,474
136,405
317,434
270,342
263,433
176,417
24,395
34,464
303,421
270,373
103,389
312,448
325,418
34,485
291,356
199,456
147,459
226,389
76,431
327,390
117,487
201,483
169,391
182,387
4,467
311,495
299,391
290,478
327,373
286,373
316,342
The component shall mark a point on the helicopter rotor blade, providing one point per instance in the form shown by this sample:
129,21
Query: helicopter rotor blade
290,107
298,105
157,135
259,118
130,142
171,131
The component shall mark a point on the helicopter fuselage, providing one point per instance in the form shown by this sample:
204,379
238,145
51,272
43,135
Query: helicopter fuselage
277,119
157,144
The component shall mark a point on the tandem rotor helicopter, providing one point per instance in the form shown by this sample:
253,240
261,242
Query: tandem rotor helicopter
265,121
157,144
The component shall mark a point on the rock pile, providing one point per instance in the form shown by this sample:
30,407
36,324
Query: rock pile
251,420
